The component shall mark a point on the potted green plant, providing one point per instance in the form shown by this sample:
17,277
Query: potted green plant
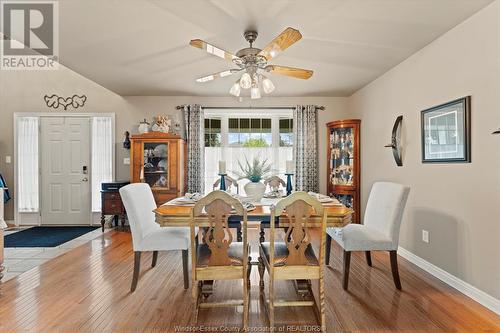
254,172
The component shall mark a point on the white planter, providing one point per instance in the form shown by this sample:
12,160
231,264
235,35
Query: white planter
255,190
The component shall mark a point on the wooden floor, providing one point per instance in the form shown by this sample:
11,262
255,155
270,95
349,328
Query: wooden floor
87,290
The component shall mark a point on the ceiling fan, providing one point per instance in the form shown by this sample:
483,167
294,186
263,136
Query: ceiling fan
253,62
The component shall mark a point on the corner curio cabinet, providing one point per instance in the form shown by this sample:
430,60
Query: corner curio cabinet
344,164
158,160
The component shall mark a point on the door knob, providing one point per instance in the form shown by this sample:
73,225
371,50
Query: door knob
85,179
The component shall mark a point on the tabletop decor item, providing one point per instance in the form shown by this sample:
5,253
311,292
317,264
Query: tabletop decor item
396,141
143,127
254,172
445,131
222,174
161,124
289,174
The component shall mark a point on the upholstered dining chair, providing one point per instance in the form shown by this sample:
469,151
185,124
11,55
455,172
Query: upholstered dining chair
147,235
218,257
294,257
380,228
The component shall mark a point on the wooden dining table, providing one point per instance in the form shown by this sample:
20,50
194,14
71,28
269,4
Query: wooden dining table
172,215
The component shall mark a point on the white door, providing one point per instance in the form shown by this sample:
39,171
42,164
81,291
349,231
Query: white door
65,168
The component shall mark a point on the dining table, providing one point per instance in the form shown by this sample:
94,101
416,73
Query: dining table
172,214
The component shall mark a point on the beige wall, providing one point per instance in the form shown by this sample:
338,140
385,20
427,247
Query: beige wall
23,91
459,204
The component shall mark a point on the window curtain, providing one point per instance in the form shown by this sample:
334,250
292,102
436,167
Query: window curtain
27,164
102,157
305,148
194,129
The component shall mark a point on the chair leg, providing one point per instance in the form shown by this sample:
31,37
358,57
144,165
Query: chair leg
271,303
262,235
368,258
137,268
261,272
196,301
246,301
347,262
155,258
328,249
394,268
322,301
249,270
239,235
185,270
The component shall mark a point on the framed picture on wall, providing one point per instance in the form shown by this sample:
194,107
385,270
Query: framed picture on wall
445,131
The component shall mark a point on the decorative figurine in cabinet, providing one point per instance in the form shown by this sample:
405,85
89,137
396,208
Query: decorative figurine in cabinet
344,164
158,160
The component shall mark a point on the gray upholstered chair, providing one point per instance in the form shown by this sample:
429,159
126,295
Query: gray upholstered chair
147,235
380,228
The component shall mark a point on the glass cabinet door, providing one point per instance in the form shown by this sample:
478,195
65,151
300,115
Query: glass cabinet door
342,156
155,168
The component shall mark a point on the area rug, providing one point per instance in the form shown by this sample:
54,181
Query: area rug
45,236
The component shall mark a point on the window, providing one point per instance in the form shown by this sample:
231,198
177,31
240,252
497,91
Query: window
234,136
212,132
286,132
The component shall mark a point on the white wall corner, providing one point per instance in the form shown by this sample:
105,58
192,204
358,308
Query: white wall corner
465,288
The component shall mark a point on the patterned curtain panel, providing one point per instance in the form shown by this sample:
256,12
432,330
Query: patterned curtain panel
305,148
194,130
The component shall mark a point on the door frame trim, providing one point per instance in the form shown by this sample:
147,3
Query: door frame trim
39,115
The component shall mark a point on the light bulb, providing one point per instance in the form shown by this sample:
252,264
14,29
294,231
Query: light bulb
245,81
267,85
255,92
235,89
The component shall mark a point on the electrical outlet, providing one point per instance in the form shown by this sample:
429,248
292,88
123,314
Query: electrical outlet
126,160
8,159
425,236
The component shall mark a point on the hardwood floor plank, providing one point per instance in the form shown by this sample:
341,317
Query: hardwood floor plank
88,290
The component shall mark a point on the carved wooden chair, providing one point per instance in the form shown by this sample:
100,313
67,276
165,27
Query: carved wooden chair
218,257
294,258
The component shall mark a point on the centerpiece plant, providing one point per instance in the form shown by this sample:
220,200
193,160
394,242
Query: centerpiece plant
254,171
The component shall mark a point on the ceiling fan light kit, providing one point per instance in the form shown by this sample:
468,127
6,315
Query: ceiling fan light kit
235,89
253,62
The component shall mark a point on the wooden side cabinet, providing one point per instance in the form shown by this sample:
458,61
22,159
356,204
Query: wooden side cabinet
344,163
158,160
111,202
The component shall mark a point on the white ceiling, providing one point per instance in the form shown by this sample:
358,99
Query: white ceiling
136,47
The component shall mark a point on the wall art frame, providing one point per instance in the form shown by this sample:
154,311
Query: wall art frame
446,132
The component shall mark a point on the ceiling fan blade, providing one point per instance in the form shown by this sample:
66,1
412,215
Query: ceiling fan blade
214,76
214,50
298,73
288,37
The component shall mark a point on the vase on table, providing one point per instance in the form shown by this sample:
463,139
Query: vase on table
255,190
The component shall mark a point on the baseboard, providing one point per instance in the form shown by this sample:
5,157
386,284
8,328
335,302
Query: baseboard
465,288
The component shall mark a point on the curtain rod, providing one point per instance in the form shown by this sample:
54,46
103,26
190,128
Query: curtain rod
319,107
